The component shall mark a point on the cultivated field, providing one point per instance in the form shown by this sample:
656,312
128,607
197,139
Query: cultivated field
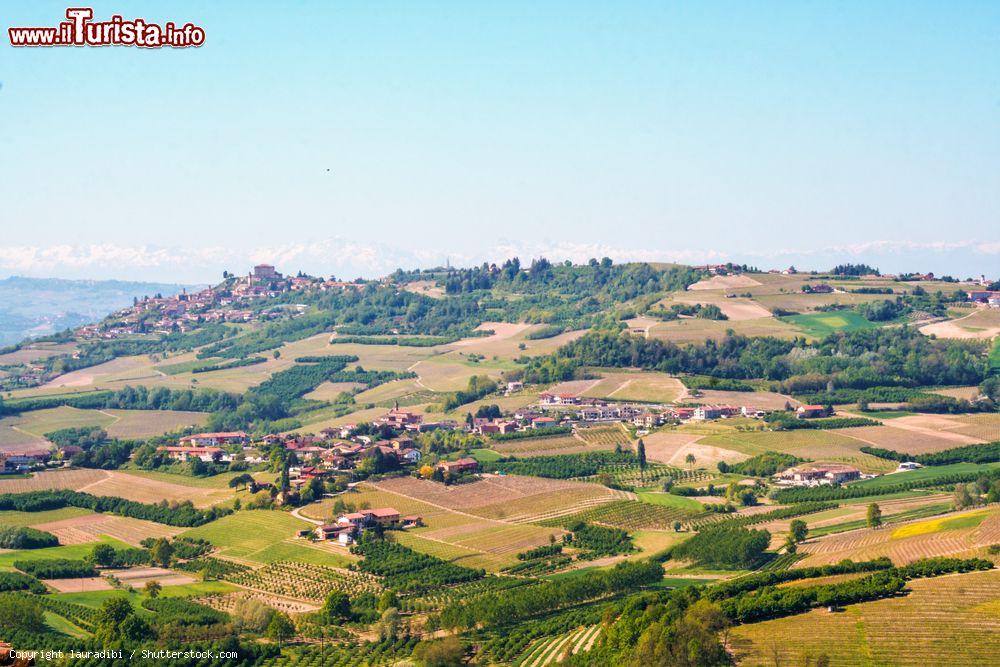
90,528
764,400
267,536
494,495
693,330
956,534
948,621
673,447
724,283
981,324
807,444
635,386
122,484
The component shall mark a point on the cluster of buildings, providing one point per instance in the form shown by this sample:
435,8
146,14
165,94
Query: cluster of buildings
574,408
349,526
226,302
987,298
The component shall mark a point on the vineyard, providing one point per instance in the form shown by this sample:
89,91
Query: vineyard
630,515
943,621
344,654
605,437
303,581
555,649
439,597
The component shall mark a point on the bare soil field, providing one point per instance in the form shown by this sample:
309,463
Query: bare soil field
694,329
935,426
900,440
672,447
117,483
328,391
735,309
89,528
985,426
148,423
79,585
981,324
138,576
966,393
35,353
510,497
765,400
425,287
724,282
637,385
501,331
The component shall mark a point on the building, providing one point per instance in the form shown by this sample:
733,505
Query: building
811,411
543,422
459,467
264,273
215,439
819,474
383,516
206,454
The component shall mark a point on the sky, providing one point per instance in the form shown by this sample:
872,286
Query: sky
351,138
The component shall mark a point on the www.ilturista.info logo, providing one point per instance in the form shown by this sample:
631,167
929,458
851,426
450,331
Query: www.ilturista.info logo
80,30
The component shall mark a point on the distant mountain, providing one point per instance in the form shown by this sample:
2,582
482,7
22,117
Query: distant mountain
41,306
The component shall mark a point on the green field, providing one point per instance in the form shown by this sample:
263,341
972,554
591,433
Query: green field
669,500
97,598
823,324
13,518
995,356
263,536
70,551
923,473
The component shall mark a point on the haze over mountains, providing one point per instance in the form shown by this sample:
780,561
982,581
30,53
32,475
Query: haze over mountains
41,306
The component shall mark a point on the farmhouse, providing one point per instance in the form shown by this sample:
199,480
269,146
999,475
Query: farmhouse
459,467
820,473
546,398
811,411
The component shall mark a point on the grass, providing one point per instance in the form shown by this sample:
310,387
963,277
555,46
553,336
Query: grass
252,534
97,598
70,551
929,472
669,500
823,324
486,455
886,414
995,356
60,624
14,518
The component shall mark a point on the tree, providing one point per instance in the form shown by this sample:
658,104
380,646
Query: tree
387,600
280,629
388,624
240,481
798,530
337,606
117,622
640,454
689,459
21,614
153,588
962,497
874,517
103,555
161,552
447,652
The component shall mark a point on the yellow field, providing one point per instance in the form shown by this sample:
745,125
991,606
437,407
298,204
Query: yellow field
945,621
695,330
636,386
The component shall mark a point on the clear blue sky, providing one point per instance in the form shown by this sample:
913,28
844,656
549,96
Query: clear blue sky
768,132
